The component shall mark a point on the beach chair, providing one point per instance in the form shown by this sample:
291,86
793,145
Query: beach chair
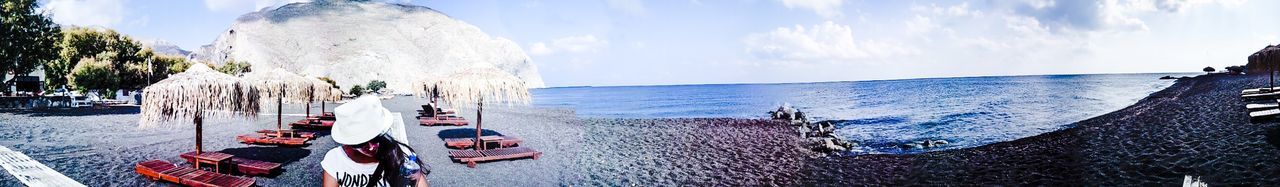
268,140
471,157
1262,106
288,133
442,121
1259,90
160,170
463,143
312,123
1263,113
254,167
1259,96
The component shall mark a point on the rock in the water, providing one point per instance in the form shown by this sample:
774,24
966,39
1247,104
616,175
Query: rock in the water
355,42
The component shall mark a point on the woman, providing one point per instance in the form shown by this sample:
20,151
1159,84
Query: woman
370,154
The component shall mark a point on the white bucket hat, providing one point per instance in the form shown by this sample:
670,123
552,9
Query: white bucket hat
361,120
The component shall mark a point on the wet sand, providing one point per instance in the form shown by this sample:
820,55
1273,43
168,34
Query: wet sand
1195,127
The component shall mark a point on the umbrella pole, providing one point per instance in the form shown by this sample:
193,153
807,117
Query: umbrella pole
310,95
479,119
199,126
279,113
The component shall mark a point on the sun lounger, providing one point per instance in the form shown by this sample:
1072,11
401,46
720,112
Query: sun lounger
254,167
1268,95
327,116
1262,106
312,124
463,143
471,157
165,171
288,133
1259,90
267,140
1264,113
442,121
243,165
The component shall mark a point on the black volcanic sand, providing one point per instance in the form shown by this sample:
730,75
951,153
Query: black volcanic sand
1196,127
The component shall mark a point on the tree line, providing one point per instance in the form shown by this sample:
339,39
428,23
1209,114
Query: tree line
81,58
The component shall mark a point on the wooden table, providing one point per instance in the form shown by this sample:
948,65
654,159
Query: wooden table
214,158
485,140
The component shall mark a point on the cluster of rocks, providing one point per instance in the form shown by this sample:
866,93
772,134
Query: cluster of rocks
821,135
923,144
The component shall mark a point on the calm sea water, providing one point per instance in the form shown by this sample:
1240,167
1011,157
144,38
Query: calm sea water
967,112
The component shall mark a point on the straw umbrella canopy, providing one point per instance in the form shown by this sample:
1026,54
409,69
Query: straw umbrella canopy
188,95
322,91
480,86
281,85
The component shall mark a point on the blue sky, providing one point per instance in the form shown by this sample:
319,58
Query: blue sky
633,42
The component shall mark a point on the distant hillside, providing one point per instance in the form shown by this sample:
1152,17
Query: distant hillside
164,47
355,42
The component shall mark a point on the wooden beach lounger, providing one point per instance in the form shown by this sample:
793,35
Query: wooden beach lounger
471,157
312,124
254,167
1268,95
288,133
442,121
1259,90
268,140
1262,106
1263,113
243,165
165,171
463,143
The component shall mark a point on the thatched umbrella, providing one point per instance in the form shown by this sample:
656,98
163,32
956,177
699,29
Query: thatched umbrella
189,94
480,86
322,91
283,86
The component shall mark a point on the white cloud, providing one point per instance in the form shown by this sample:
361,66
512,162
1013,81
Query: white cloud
104,13
824,8
632,7
1176,6
827,42
571,44
222,5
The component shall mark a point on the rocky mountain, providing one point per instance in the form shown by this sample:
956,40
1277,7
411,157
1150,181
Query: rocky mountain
164,47
355,42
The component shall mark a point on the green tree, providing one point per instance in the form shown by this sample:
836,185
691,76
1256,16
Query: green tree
357,90
161,66
78,43
94,74
27,39
376,85
232,67
331,82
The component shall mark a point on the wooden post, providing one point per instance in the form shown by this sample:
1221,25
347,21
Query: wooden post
199,127
280,112
479,119
310,96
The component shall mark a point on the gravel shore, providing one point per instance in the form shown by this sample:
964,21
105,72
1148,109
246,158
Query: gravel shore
1196,127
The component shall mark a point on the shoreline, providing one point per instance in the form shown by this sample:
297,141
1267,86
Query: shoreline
1195,127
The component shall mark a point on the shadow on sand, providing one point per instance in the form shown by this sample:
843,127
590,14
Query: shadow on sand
43,112
465,133
282,155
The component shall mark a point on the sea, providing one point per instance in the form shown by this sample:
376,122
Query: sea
881,115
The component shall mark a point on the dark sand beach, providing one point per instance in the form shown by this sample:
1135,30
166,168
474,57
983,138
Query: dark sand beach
1196,127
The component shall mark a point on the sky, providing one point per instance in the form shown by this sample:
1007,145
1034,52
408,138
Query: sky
666,42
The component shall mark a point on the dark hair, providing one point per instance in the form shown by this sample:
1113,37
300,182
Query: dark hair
391,160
